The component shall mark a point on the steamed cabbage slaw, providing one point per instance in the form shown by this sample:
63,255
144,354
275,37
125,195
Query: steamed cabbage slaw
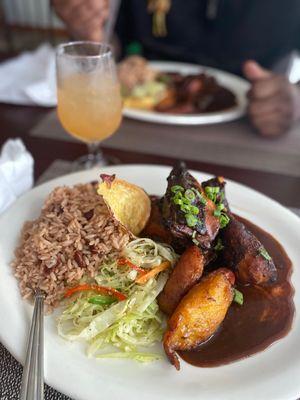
124,329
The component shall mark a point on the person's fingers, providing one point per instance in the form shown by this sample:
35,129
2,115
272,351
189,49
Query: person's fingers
271,124
85,12
90,30
277,104
94,31
267,87
64,8
84,18
87,19
253,71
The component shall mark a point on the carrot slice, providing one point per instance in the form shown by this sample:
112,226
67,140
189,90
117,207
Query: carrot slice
153,272
99,289
124,261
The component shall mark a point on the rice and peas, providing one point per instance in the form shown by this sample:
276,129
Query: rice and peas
76,241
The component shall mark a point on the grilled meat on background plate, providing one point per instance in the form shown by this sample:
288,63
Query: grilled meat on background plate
194,94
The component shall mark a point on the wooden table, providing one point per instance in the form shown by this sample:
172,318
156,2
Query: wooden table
16,121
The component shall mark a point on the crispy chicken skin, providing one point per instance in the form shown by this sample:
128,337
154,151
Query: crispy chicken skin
244,253
186,274
199,313
207,226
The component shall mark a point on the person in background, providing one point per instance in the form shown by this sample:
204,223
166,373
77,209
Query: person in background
245,37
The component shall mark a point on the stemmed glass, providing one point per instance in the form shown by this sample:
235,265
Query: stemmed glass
88,94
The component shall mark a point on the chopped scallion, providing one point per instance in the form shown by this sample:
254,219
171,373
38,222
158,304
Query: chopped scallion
238,297
190,195
263,252
177,188
194,210
224,220
219,246
191,220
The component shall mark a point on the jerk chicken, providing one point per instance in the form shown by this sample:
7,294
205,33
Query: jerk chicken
199,313
187,213
197,221
243,252
194,94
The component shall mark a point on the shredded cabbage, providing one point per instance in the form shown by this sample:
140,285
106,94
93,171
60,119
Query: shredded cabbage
147,253
128,326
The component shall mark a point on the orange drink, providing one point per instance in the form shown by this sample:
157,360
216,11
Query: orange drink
89,106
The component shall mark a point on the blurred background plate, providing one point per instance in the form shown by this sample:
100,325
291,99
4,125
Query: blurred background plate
232,82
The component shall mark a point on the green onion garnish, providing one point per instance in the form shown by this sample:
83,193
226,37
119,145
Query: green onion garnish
194,210
219,246
191,220
190,195
263,252
200,196
177,188
185,208
212,192
224,220
178,201
217,213
238,297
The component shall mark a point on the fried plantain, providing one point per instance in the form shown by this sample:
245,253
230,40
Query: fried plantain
199,314
185,275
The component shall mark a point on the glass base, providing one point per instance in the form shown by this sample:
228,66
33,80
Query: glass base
93,160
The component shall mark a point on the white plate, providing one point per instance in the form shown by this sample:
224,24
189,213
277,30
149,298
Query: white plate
271,374
232,82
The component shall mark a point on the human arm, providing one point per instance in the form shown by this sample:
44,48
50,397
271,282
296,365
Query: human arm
84,19
274,103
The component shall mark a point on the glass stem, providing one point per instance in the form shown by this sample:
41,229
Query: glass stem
95,152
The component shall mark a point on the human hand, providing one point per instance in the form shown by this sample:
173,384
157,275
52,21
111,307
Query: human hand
84,19
273,100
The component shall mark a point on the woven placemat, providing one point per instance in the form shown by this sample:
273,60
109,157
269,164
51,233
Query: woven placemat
233,144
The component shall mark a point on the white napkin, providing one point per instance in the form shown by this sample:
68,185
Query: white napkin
16,172
29,79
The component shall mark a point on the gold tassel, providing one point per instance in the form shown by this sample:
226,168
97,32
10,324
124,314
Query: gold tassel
159,9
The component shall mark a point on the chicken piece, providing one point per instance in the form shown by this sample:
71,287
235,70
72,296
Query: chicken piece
168,102
199,314
186,274
187,212
220,197
245,254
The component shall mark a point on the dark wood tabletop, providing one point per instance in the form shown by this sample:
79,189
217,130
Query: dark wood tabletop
17,121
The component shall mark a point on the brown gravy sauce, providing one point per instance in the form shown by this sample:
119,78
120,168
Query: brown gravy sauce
265,316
